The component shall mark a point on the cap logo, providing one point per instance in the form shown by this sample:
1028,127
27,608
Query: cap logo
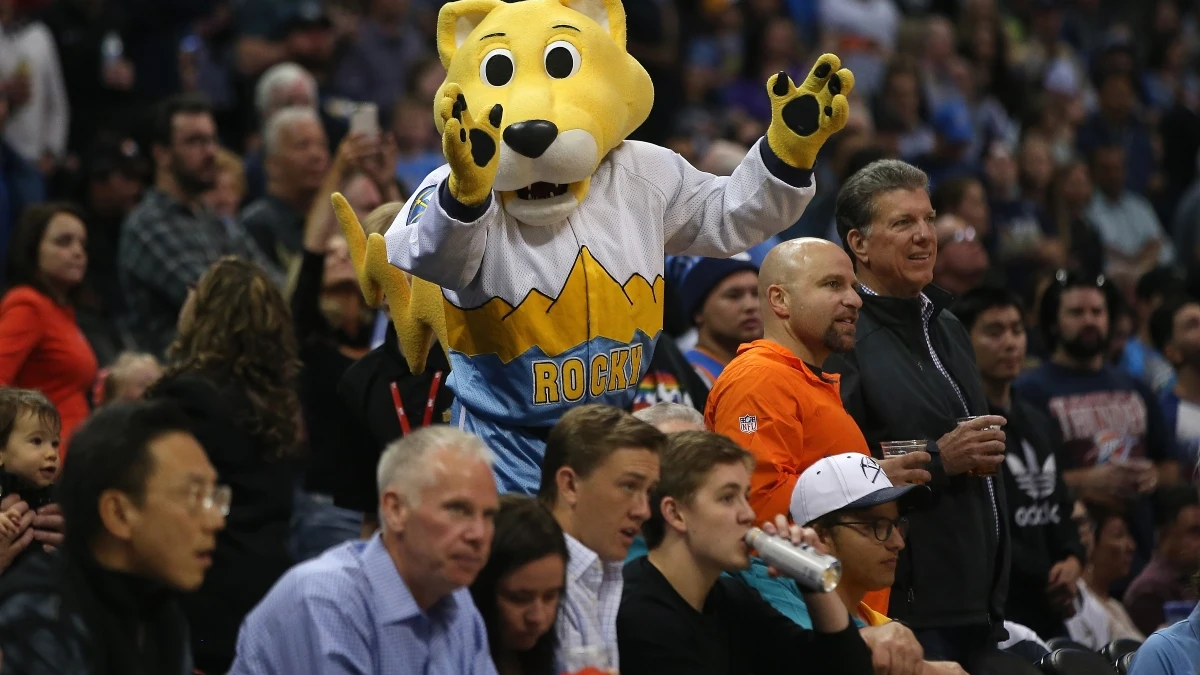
870,469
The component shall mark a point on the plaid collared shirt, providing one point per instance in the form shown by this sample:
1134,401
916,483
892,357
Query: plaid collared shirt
927,310
588,617
166,246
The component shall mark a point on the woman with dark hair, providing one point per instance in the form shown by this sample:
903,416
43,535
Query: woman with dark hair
41,346
233,368
519,591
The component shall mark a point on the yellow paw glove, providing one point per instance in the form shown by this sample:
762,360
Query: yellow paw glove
416,310
803,118
471,147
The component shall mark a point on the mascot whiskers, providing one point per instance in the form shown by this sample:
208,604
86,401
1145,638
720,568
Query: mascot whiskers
537,251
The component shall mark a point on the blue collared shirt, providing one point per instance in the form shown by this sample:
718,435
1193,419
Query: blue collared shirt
1174,650
349,612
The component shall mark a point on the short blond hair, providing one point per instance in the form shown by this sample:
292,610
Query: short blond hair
409,465
379,220
228,162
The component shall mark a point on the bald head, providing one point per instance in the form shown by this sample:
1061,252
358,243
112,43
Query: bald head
807,291
790,261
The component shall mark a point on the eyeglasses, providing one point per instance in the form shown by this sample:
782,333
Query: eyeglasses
966,234
201,498
881,527
1069,279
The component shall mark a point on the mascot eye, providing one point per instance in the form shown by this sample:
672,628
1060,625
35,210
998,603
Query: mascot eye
497,67
562,59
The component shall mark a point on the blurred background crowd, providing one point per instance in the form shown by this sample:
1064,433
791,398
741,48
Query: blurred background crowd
1058,133
142,141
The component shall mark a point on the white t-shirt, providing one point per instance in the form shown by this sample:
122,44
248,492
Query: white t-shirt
1090,625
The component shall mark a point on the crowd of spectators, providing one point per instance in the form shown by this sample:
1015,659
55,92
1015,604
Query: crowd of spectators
166,238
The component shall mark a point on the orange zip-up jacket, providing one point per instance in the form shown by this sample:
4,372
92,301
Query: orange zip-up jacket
788,416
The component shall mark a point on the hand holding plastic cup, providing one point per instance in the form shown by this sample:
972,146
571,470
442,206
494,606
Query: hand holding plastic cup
901,448
987,471
910,471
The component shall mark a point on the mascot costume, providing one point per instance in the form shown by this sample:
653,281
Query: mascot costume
536,252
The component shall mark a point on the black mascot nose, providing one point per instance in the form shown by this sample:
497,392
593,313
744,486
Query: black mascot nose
530,138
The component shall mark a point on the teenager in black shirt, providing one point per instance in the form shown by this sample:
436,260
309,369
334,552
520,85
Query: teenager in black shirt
679,615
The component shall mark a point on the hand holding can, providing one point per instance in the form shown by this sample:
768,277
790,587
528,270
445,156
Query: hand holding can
789,550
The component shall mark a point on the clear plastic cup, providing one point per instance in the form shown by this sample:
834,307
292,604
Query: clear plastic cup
588,659
980,472
901,448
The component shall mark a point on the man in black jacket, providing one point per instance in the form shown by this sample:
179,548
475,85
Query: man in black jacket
911,375
1047,556
144,511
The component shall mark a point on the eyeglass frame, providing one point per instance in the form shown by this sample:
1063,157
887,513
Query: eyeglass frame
202,499
962,235
900,524
1066,278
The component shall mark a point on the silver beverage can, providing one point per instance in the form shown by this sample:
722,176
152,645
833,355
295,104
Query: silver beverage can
812,570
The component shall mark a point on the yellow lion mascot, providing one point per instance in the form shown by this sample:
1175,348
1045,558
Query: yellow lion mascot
537,251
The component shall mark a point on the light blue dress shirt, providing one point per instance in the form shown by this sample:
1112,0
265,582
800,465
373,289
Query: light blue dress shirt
348,612
1174,650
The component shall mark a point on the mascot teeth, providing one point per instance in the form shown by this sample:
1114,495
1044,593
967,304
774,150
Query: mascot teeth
542,190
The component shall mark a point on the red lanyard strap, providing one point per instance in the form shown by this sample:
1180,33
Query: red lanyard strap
429,404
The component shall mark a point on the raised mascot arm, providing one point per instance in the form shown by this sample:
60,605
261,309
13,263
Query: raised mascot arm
803,118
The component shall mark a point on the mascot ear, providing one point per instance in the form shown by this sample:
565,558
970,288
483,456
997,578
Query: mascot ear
609,14
456,20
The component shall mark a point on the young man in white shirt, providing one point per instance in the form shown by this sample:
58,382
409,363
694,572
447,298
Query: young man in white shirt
596,477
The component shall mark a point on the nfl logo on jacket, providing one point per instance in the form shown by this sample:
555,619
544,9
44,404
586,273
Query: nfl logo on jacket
748,423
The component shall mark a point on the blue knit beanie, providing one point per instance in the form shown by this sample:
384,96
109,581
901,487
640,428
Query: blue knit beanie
705,274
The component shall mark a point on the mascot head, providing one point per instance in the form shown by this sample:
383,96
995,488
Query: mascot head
570,92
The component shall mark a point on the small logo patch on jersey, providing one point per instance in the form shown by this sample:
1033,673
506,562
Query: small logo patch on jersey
748,423
420,204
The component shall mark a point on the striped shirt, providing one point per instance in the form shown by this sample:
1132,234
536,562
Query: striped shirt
164,247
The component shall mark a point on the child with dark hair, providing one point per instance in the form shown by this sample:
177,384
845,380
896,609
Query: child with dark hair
29,462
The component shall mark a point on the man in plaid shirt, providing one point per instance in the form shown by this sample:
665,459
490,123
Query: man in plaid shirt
170,238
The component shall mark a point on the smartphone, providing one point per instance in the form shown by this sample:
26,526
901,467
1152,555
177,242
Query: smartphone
365,119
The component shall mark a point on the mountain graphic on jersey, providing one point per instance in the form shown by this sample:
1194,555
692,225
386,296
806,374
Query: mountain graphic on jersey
1036,481
591,304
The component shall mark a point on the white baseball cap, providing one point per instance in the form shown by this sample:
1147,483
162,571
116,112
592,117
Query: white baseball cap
849,480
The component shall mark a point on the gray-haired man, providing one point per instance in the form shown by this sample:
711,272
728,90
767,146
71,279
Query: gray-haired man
397,603
911,375
670,417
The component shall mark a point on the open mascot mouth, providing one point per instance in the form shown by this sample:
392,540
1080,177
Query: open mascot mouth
542,190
